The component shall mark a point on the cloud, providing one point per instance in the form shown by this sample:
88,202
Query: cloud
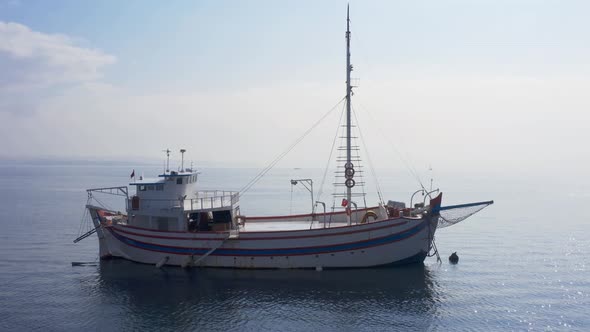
504,124
31,61
442,117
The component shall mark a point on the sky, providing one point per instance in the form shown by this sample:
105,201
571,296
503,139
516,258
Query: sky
461,85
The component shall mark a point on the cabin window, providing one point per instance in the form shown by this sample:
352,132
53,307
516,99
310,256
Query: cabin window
159,187
150,187
141,188
179,181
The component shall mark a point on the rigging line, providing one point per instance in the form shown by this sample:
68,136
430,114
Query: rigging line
102,204
418,177
371,166
411,170
409,166
284,153
84,222
362,53
331,153
340,157
291,205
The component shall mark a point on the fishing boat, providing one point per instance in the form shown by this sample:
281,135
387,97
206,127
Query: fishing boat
168,220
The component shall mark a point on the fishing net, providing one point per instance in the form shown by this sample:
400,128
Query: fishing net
450,215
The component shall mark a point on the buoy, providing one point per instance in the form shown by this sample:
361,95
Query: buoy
454,259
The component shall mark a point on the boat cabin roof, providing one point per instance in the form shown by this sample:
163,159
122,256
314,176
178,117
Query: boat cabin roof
163,177
147,181
176,174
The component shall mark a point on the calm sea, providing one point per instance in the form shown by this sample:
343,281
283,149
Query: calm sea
523,263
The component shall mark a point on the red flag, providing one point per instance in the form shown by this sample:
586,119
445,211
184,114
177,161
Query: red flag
132,174
344,202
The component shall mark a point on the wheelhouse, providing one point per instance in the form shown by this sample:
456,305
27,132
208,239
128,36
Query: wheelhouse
172,202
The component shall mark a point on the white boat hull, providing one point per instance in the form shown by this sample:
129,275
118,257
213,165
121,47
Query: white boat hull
388,242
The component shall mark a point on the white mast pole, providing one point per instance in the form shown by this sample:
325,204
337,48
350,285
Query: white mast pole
348,95
182,151
167,160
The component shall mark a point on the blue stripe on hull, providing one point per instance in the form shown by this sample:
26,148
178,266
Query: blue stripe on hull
274,252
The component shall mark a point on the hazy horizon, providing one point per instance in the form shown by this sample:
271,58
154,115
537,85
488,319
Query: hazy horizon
492,86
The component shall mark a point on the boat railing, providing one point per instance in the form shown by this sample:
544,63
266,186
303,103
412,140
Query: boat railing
117,191
213,193
323,215
211,199
205,200
426,194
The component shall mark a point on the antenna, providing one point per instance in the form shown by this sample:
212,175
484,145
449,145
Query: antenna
182,151
167,159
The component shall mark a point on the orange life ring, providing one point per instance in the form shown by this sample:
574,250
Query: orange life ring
369,213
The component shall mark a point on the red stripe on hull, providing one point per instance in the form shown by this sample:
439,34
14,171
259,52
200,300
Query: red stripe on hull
265,238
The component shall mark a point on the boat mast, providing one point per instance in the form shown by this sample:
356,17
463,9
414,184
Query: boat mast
348,95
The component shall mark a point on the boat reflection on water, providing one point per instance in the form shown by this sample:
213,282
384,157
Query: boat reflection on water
225,299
